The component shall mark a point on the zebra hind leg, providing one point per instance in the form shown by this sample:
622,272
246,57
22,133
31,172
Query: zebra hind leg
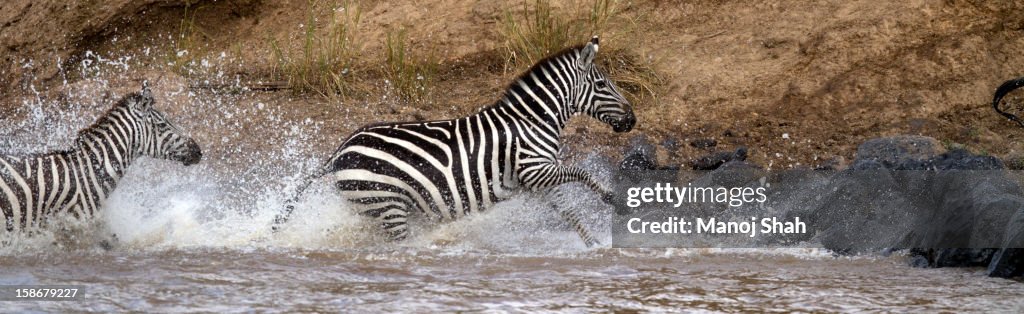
392,217
571,215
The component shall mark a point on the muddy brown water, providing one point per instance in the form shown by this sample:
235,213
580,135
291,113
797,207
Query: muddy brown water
435,280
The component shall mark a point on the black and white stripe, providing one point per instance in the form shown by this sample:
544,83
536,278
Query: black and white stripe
76,181
449,169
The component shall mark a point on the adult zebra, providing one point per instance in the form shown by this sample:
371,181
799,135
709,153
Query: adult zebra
451,168
76,181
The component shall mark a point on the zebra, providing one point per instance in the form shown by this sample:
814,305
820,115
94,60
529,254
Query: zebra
76,181
451,168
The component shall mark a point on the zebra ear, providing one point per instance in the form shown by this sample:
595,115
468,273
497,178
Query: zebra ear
587,54
144,100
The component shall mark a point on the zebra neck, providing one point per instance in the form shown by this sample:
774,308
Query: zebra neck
539,116
105,160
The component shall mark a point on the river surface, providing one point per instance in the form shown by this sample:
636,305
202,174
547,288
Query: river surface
432,280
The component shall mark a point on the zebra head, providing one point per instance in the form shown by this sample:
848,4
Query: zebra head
159,138
598,96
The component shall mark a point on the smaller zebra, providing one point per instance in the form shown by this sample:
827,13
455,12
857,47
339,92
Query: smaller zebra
76,181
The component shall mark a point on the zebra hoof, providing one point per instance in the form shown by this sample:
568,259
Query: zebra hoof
608,197
109,244
278,221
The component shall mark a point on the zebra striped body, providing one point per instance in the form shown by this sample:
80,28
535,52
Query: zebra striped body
76,181
449,169
445,168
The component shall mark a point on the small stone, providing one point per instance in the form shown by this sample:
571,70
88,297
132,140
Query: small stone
704,143
670,143
892,150
834,163
714,160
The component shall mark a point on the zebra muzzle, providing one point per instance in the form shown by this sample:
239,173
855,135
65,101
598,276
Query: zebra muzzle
625,124
191,154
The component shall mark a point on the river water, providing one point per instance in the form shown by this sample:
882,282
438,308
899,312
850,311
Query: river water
198,239
431,280
185,244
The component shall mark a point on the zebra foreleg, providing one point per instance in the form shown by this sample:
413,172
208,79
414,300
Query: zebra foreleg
571,215
550,175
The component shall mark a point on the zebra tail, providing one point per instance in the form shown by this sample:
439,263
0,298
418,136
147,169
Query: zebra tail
289,205
1004,89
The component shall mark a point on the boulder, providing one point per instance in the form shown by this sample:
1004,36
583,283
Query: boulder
952,208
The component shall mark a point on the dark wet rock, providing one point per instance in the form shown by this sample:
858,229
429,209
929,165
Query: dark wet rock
955,257
919,261
855,203
731,174
1014,161
1007,263
671,144
741,154
964,257
714,160
832,164
891,150
637,160
641,156
704,143
952,208
960,159
956,159
739,164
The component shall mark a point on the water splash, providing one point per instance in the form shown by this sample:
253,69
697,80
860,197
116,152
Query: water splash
255,152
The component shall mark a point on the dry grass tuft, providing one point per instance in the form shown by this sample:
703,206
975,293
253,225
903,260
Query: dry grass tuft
541,29
635,73
411,75
189,43
324,65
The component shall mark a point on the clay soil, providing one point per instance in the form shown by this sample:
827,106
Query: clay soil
800,83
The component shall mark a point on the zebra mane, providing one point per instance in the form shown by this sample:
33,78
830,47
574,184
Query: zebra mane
105,117
537,66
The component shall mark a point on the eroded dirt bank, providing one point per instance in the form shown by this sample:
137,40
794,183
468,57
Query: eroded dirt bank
799,83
